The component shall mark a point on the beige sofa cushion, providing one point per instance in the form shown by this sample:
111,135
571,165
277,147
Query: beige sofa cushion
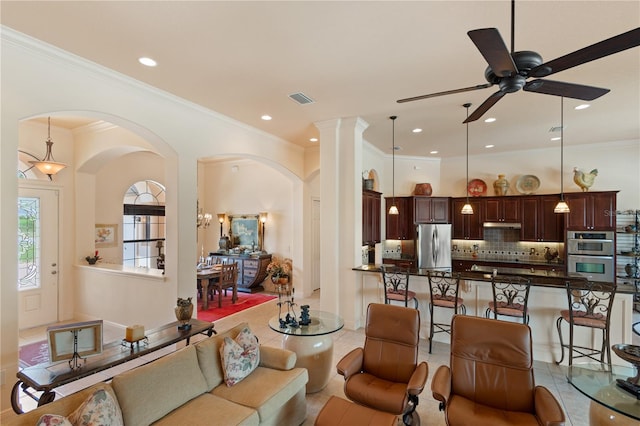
149,392
265,390
208,409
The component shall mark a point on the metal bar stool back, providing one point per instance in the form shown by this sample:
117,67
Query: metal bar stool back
510,297
396,286
444,289
590,306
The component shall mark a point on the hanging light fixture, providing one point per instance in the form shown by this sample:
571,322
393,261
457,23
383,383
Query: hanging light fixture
393,209
562,206
467,209
48,165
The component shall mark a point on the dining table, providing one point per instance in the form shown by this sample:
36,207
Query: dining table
205,276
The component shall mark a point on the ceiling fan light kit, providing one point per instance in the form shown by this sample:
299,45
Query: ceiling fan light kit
510,70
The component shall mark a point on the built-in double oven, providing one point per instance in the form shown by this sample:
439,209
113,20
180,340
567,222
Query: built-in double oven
591,254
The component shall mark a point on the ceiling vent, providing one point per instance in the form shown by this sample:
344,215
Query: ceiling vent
301,98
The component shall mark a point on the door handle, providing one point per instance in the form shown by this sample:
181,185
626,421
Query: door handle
54,272
54,264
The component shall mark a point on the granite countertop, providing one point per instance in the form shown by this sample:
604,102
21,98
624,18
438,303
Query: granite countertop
539,277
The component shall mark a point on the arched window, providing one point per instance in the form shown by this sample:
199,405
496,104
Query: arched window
143,225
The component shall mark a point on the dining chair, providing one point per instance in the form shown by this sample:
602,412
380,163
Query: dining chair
227,280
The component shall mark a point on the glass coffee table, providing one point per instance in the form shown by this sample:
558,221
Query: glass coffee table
610,404
313,345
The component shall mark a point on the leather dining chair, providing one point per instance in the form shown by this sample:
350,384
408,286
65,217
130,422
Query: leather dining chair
490,379
385,374
590,306
444,288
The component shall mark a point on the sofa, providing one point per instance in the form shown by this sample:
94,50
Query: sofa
187,387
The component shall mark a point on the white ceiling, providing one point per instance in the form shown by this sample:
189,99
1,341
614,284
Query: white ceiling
243,59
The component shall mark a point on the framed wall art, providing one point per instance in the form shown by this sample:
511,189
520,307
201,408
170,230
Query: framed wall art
244,231
106,235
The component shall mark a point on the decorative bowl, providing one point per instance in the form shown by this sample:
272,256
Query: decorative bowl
527,184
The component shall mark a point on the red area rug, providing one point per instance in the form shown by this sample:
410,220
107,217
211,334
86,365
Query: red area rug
245,301
33,353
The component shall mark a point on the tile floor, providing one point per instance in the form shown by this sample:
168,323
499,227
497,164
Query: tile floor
575,405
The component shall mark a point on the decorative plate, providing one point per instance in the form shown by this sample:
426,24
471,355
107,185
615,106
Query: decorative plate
527,184
477,188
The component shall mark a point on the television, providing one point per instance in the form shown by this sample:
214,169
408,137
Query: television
74,341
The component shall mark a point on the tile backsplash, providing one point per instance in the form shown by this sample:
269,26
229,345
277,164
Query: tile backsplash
506,249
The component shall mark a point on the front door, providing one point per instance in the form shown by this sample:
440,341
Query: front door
37,257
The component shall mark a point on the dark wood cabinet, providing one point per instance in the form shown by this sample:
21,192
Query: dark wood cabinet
400,226
539,222
431,209
466,226
371,221
502,209
591,210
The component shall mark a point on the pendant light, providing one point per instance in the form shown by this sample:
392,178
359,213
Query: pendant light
467,209
562,206
393,209
48,165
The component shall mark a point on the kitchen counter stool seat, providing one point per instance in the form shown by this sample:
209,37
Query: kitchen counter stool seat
590,306
510,297
444,288
395,281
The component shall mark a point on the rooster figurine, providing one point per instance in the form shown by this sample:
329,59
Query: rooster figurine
584,180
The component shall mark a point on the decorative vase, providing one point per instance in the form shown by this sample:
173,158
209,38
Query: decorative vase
501,185
631,270
367,184
423,189
183,311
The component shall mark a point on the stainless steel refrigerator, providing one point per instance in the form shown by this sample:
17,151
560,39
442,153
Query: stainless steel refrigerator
434,246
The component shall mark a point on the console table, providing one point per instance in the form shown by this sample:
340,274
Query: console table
313,345
252,269
47,376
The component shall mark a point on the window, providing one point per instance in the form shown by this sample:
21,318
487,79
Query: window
28,243
143,225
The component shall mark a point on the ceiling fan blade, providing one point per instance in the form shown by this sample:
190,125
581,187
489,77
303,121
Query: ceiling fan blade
448,92
568,90
599,50
495,52
486,105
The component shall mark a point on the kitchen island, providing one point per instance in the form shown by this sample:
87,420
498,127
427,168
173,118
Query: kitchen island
546,299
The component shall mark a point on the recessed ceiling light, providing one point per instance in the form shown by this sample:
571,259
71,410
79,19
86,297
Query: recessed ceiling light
583,106
147,61
313,140
266,117
417,130
433,152
557,138
490,120
489,146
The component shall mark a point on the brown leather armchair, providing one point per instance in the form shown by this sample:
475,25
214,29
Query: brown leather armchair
385,374
491,381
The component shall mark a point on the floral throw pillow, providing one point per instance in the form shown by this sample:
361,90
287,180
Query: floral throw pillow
240,356
100,409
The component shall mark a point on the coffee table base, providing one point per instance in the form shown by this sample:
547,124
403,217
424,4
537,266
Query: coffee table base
315,353
599,415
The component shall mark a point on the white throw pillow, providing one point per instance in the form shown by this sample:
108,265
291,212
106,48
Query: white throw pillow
239,357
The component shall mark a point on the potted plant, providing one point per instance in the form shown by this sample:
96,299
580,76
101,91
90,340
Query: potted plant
279,270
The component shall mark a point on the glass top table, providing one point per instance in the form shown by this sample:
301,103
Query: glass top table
313,345
321,323
599,384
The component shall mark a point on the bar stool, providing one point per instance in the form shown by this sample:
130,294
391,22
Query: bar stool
396,286
590,306
510,297
444,288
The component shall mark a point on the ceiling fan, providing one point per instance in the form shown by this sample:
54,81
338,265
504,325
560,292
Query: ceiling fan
510,70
